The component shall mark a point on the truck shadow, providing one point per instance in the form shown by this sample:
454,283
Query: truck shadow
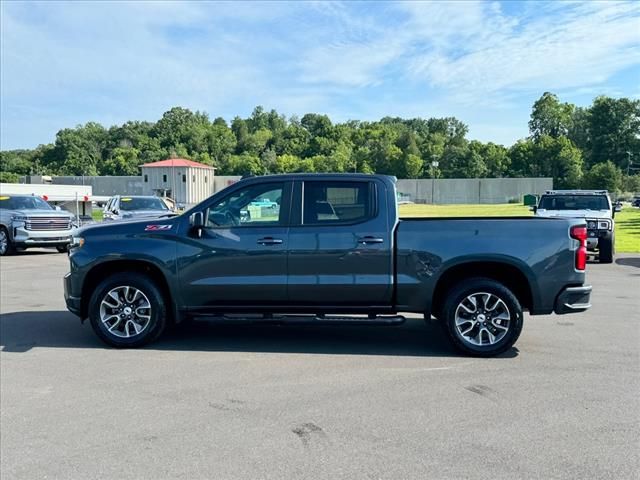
22,331
629,261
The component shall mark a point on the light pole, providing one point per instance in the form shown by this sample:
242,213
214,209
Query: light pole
434,165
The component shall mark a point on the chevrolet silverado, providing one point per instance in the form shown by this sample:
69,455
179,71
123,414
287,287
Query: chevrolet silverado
334,251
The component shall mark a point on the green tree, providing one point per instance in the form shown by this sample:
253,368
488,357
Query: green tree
548,157
123,161
221,142
241,132
79,151
243,164
605,176
9,177
631,183
550,117
614,130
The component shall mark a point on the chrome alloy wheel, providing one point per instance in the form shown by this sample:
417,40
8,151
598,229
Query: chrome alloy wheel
125,311
482,319
4,242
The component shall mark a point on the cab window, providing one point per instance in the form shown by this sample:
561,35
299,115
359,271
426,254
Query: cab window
249,206
328,203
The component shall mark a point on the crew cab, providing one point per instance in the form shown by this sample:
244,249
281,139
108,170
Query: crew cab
335,251
594,206
28,221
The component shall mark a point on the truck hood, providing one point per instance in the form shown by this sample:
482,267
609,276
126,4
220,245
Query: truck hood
144,214
126,226
31,212
574,213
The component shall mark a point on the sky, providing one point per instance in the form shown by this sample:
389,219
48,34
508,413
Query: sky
485,63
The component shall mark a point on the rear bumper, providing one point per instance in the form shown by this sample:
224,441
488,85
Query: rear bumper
573,300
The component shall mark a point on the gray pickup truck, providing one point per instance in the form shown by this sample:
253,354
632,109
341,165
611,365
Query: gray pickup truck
28,221
334,249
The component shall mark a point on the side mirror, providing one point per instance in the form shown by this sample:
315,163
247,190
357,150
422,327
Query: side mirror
534,209
196,220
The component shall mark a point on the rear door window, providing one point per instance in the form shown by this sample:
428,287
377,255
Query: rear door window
329,203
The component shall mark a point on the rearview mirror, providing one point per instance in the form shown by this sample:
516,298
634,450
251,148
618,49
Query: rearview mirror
57,208
196,220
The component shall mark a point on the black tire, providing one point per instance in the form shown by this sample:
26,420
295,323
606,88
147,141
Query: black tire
8,247
158,316
62,248
607,248
463,344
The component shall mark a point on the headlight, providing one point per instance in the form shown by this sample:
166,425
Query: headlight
604,224
591,225
76,242
18,218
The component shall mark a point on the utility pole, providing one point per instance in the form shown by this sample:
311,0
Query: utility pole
434,165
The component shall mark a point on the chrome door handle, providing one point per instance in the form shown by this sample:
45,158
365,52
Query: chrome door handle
269,241
367,240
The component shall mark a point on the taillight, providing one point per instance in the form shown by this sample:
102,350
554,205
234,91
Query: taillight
580,234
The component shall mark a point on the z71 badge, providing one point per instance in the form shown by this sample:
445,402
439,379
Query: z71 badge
154,228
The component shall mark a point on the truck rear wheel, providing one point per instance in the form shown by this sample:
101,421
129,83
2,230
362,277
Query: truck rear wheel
606,248
127,310
482,317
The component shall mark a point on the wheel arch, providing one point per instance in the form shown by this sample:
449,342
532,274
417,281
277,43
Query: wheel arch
103,270
511,276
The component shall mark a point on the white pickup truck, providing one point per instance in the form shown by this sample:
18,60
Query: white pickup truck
594,206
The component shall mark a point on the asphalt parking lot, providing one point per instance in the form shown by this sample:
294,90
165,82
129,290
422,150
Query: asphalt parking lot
216,401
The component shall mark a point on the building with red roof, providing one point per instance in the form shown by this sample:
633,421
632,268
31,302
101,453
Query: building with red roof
185,181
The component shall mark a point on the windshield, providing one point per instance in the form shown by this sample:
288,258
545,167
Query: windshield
142,203
23,203
574,202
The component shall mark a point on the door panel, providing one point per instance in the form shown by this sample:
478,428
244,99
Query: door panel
340,253
241,256
234,266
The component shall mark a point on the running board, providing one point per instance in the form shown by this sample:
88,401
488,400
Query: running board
381,320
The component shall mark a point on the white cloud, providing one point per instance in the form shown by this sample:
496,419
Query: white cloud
68,63
583,46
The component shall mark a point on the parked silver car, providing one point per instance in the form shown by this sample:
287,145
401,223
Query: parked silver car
28,221
123,207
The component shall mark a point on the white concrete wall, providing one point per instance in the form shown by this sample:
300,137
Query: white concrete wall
472,190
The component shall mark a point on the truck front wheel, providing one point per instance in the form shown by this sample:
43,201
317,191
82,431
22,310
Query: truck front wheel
482,317
606,248
127,310
6,247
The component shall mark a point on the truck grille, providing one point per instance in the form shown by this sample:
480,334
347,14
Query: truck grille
47,223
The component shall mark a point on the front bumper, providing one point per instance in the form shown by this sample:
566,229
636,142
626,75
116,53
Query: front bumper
573,300
594,236
40,238
74,304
